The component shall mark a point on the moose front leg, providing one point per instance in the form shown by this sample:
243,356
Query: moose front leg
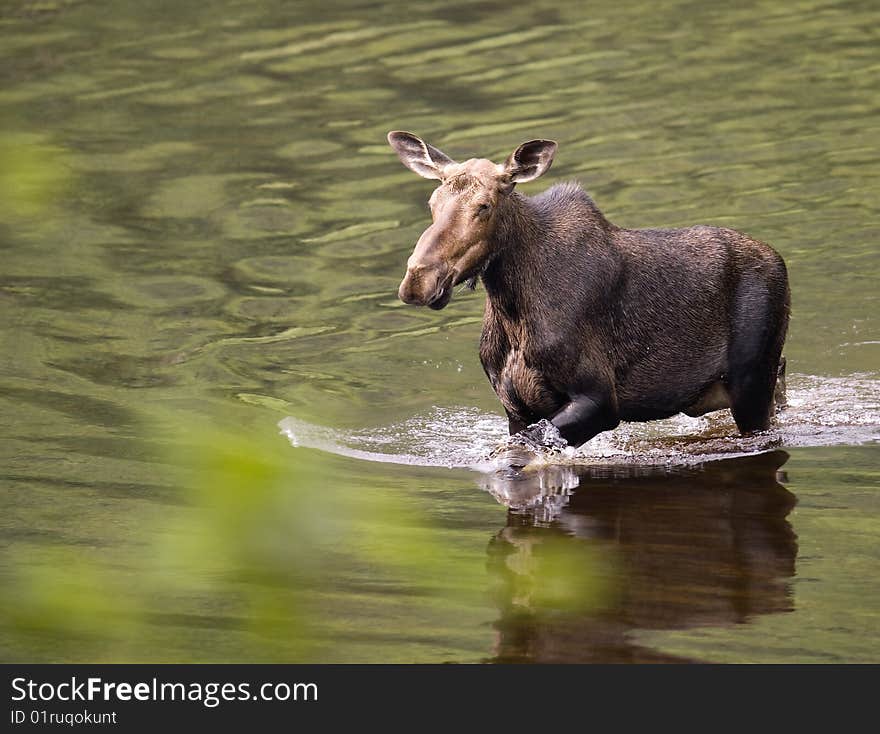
581,418
585,416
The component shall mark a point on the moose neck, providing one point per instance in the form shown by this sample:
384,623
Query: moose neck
539,241
516,272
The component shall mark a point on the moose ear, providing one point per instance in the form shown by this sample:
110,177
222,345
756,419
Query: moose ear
417,155
530,160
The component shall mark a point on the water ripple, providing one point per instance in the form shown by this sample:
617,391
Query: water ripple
821,411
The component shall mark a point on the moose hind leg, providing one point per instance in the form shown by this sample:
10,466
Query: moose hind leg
779,393
751,398
758,332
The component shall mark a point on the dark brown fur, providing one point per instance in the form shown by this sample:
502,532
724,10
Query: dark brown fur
588,324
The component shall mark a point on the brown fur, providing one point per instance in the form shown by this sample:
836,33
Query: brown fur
588,323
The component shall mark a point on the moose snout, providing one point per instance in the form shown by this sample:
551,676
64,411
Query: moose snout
407,291
423,286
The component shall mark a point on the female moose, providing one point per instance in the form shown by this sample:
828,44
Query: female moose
588,324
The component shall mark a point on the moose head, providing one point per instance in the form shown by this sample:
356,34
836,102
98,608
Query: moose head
466,209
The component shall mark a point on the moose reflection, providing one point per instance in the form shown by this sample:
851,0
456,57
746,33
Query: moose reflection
671,550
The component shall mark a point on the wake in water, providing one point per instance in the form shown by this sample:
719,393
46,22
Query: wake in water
821,411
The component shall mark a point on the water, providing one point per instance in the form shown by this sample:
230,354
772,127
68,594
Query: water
218,239
819,412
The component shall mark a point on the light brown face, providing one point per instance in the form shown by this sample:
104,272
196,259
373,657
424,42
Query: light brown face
456,245
464,209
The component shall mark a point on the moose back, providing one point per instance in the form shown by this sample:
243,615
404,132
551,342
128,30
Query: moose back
588,324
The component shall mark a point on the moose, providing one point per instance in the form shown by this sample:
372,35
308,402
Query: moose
586,323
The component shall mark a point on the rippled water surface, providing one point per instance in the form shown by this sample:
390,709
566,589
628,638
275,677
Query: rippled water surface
201,224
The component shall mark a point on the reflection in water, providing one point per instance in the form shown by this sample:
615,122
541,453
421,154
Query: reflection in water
691,548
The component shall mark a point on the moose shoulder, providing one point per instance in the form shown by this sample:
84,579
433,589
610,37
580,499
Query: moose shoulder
587,323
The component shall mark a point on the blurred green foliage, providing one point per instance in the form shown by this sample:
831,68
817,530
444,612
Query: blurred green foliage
256,550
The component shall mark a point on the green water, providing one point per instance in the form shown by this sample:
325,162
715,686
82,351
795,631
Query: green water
201,225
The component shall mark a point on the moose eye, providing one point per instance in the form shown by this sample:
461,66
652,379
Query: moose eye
483,210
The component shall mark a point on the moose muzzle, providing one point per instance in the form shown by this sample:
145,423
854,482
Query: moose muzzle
427,286
430,275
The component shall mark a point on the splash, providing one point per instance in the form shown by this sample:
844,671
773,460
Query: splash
450,437
821,411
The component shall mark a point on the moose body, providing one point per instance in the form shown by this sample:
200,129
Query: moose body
586,323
